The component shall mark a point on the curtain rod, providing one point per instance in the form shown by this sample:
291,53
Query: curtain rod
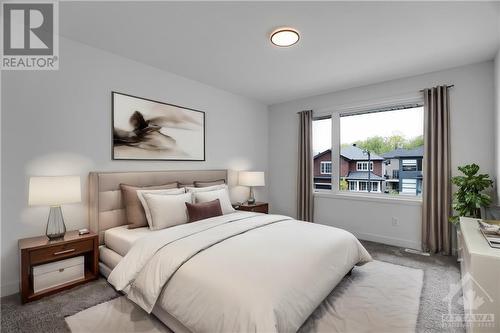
421,90
447,86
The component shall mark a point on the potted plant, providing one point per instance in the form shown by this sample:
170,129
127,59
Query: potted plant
469,198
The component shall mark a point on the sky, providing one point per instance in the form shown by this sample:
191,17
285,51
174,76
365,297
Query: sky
408,122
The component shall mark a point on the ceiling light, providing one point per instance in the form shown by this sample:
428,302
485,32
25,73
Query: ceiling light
284,37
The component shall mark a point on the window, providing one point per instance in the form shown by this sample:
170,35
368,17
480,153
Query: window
363,166
326,167
363,186
353,186
322,144
383,143
378,150
409,165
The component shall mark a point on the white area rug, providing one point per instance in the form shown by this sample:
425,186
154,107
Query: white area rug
377,297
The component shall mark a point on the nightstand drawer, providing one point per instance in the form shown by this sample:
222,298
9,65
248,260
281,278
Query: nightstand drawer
60,251
260,209
54,274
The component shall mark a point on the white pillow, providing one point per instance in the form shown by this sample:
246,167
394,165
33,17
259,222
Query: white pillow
222,195
140,195
205,189
167,210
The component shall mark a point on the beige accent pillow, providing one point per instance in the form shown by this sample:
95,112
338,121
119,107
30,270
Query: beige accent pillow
206,189
140,195
167,210
136,217
222,195
209,183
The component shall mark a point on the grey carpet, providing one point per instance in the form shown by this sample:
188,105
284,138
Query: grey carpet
47,314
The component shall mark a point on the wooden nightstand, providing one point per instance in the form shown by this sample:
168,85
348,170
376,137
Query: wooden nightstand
258,207
39,250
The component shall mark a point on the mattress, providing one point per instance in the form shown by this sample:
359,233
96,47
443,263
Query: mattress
109,257
120,239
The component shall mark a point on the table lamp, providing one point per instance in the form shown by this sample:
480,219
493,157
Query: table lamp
53,192
251,179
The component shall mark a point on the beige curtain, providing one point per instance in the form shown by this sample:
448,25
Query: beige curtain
436,230
305,168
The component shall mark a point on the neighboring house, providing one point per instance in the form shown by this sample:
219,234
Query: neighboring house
403,170
355,171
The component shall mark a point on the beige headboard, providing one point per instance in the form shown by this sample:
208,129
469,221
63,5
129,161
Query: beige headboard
105,198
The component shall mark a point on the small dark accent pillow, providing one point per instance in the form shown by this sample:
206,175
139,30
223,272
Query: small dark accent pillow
209,183
203,210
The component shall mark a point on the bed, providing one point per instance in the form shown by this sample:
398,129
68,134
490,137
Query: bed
207,276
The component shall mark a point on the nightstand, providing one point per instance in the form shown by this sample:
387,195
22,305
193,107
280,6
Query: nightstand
57,265
258,207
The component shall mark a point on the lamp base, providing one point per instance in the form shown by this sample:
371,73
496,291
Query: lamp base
55,224
251,197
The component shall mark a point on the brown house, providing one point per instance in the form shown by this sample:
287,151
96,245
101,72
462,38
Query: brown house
356,171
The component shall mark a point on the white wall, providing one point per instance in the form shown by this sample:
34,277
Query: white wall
472,130
59,122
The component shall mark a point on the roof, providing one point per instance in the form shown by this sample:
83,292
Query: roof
356,154
352,153
362,175
322,153
401,152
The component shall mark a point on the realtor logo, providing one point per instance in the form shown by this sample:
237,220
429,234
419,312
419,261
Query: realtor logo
30,36
473,299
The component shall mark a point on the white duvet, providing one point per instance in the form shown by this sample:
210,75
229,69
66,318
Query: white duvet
241,272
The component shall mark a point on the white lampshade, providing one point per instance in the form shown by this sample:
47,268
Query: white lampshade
251,178
54,191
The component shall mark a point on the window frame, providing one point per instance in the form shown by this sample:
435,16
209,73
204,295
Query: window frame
410,100
321,164
403,164
364,163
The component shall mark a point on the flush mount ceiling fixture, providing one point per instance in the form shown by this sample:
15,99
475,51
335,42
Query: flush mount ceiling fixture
284,37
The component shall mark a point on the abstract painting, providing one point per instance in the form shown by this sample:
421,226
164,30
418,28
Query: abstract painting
144,129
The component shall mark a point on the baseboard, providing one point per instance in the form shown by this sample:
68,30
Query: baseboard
388,240
9,288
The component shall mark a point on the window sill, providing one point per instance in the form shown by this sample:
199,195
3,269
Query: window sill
384,198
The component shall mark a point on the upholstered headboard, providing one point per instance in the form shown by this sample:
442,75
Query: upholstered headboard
106,208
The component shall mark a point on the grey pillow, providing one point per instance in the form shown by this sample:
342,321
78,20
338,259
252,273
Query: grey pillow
209,183
136,217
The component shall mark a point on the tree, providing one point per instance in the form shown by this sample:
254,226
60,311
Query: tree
343,184
374,144
415,142
395,141
380,145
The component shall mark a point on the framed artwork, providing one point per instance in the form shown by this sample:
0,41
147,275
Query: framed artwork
145,129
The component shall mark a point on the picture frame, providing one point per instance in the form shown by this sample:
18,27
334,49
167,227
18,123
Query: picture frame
147,129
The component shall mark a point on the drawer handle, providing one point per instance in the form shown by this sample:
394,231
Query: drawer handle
460,259
64,252
61,270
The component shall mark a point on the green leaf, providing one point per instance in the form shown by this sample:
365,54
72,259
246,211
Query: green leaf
469,197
